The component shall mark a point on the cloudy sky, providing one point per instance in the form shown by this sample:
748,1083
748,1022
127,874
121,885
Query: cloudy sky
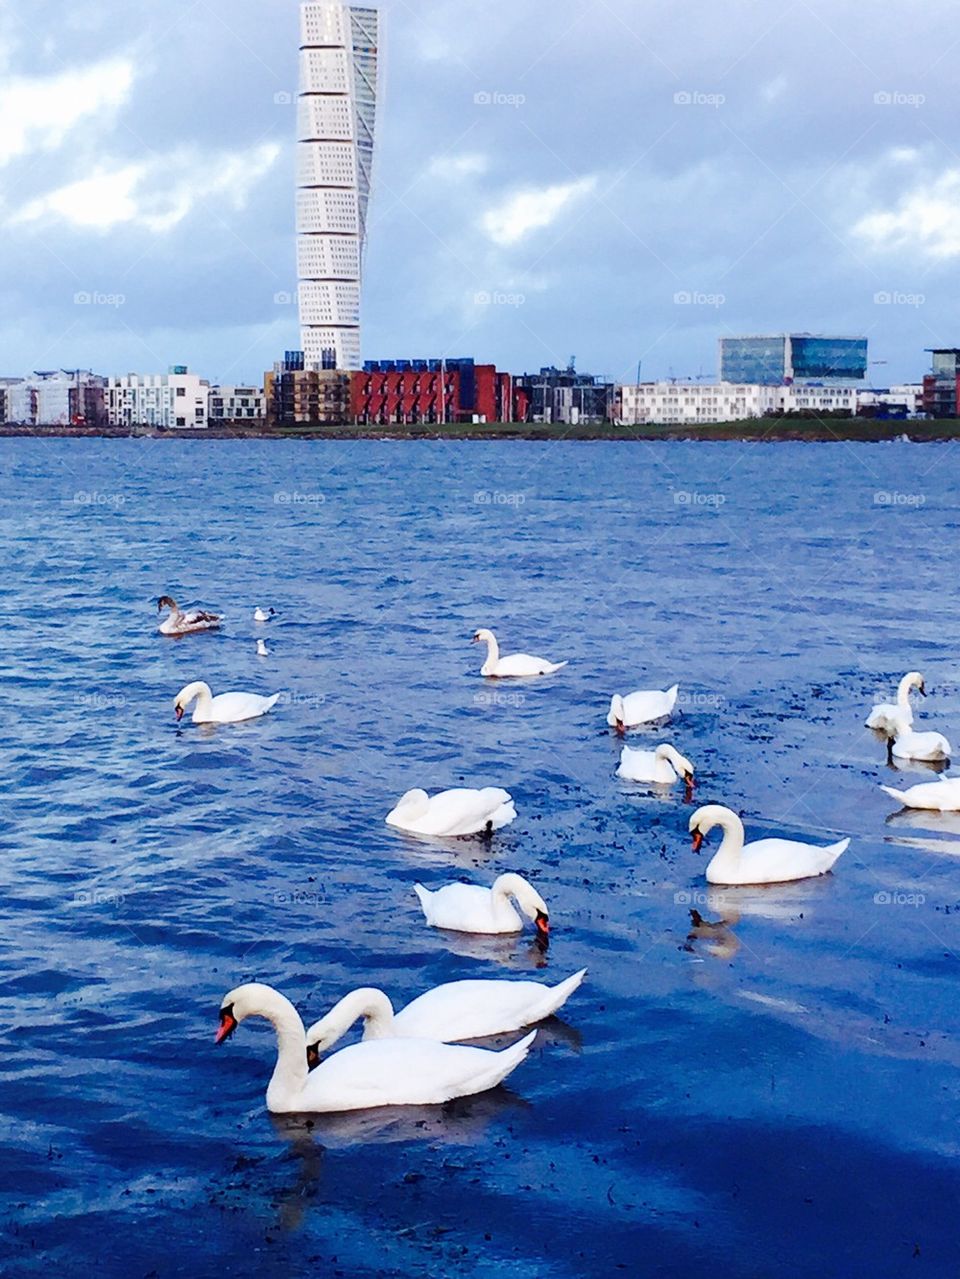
620,180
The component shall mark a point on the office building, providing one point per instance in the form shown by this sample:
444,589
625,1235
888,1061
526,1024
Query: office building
785,358
941,384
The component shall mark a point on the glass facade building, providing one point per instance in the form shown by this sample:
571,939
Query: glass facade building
792,357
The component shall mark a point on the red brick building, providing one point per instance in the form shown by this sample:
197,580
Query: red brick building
415,392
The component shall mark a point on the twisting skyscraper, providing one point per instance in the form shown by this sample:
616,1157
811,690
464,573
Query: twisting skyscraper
335,130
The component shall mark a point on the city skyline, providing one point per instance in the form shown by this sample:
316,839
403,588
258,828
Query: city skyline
697,181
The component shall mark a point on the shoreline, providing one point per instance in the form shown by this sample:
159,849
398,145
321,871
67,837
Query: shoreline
756,430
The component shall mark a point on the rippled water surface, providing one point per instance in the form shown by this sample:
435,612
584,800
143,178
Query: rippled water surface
777,1094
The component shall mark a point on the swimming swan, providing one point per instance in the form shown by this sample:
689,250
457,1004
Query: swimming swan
889,717
642,707
181,623
663,765
516,665
453,812
906,744
456,1010
468,908
225,708
380,1072
766,861
942,796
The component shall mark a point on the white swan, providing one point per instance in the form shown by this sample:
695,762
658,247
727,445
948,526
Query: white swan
907,744
225,708
381,1072
456,1010
888,717
942,796
766,861
468,908
460,811
643,707
262,650
516,665
181,623
663,765
263,615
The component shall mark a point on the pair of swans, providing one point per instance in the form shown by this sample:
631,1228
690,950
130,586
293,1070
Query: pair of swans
470,908
225,708
514,666
461,811
662,765
765,861
376,1072
895,719
189,622
645,706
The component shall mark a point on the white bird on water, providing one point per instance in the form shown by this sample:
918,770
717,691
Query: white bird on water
887,716
263,615
225,708
468,908
642,707
515,665
765,861
461,811
906,744
185,623
663,765
942,796
262,650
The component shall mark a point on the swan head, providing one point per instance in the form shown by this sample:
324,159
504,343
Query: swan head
704,820
415,799
167,601
617,712
186,695
915,680
679,762
528,899
249,1000
483,636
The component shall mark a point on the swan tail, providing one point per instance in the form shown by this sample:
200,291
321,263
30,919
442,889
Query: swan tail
899,795
833,852
508,1059
424,895
672,694
557,666
272,701
504,815
560,993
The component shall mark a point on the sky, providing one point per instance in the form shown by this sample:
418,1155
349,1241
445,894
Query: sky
623,181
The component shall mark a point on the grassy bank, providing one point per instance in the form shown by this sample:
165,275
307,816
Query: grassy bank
758,429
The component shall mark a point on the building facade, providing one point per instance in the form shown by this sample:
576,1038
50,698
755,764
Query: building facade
563,395
425,392
687,403
298,396
336,126
177,400
61,397
783,358
237,403
941,386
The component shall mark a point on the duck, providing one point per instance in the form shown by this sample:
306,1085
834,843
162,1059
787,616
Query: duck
377,1072
642,707
262,650
225,708
942,796
662,765
185,623
460,811
766,861
263,614
470,908
906,744
516,665
456,1010
888,717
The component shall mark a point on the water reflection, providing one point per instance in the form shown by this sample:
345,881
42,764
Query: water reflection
510,950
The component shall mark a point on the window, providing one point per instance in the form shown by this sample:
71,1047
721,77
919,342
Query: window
181,390
181,421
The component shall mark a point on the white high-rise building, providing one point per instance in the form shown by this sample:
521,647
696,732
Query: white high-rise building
336,123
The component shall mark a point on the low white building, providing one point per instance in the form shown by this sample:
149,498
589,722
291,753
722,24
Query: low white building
61,397
177,400
687,403
237,403
908,397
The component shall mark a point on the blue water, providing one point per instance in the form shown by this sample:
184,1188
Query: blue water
777,1095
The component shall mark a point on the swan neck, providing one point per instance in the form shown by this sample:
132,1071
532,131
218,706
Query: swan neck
731,846
370,1004
903,692
290,1072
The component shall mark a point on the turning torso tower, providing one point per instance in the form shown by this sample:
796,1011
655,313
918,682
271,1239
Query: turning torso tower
336,120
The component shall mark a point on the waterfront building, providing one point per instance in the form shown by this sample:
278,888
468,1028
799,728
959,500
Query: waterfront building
792,357
299,396
415,392
563,395
336,125
674,403
59,397
237,403
176,400
941,387
892,402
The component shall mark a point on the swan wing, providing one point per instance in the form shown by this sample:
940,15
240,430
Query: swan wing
520,664
466,908
778,861
646,705
462,811
232,708
473,1009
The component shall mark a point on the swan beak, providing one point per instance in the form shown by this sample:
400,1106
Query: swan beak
178,711
543,924
313,1056
620,727
688,778
228,1024
923,690
697,840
